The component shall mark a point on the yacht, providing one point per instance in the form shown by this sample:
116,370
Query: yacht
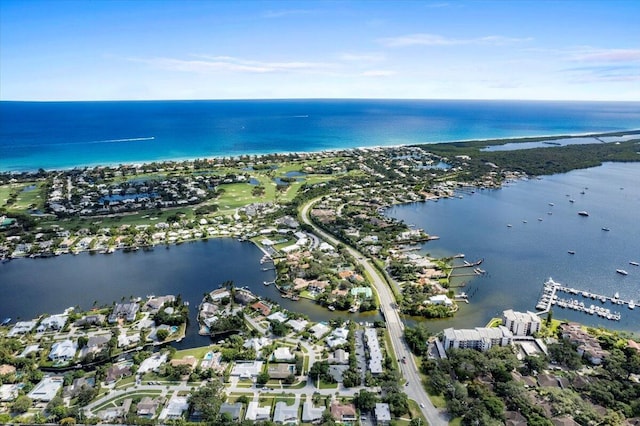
632,304
616,296
583,213
571,252
606,229
634,263
622,272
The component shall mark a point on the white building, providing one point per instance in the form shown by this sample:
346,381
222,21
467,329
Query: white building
63,351
247,369
47,389
375,354
480,338
441,299
521,323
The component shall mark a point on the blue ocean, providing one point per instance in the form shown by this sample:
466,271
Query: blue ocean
57,135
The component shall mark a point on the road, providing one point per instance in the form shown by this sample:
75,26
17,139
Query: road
395,326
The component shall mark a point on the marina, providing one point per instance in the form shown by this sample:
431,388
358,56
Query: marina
550,298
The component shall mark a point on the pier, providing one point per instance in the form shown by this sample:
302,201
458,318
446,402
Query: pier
550,298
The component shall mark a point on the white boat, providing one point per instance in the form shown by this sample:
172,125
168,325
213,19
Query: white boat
606,229
622,272
616,296
583,213
634,263
632,304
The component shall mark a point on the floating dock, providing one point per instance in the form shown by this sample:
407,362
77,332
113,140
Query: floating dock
550,298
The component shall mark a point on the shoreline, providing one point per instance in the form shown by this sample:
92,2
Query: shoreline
258,155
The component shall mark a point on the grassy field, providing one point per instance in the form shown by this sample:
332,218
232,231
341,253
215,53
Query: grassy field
25,200
195,352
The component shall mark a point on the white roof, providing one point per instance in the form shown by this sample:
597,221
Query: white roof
277,316
46,389
382,412
176,406
319,330
254,412
283,353
247,369
297,325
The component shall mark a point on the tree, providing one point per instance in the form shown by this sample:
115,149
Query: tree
21,404
365,400
206,400
162,334
262,378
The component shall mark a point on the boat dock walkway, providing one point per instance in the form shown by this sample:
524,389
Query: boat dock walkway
550,298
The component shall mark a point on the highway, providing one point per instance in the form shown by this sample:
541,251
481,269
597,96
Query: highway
395,326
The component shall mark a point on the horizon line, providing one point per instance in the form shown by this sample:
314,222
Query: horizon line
318,99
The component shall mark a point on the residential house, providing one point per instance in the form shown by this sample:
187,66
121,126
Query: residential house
339,356
282,353
125,311
382,414
281,371
343,413
286,414
233,410
64,350
46,389
116,372
147,407
247,369
54,322
257,413
311,414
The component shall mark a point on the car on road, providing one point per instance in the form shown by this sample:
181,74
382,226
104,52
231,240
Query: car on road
421,405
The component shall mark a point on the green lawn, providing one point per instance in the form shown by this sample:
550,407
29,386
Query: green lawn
325,385
195,352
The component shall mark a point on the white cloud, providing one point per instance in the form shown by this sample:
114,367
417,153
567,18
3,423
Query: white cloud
424,39
362,57
606,55
213,64
271,14
378,73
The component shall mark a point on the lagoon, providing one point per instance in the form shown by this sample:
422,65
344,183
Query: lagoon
518,259
31,287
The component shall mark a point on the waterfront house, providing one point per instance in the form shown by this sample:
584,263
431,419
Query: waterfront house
262,308
21,327
116,372
155,303
90,320
53,322
440,299
126,311
319,330
277,316
63,351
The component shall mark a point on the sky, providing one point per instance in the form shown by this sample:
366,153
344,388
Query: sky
152,49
